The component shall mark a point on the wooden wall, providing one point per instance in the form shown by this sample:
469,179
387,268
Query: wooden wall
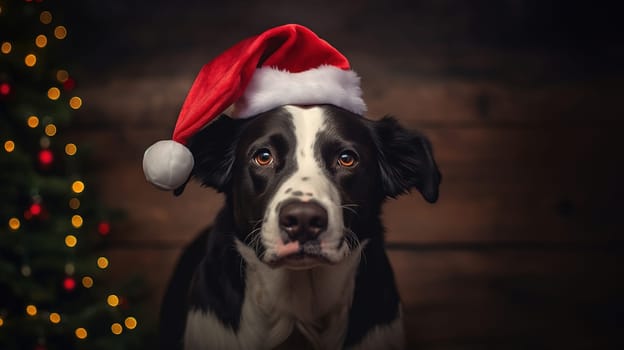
523,249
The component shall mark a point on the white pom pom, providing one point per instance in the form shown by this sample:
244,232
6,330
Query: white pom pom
167,164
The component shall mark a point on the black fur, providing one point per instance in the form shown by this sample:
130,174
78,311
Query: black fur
391,161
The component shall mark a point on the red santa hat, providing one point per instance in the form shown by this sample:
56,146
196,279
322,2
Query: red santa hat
284,65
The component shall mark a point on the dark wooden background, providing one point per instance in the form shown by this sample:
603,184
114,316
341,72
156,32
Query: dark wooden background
521,100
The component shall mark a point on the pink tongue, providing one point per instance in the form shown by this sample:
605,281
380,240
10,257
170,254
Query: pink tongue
288,249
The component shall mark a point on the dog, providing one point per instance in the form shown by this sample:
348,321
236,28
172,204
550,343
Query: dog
295,259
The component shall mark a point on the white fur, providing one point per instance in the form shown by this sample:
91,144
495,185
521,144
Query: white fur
316,301
270,88
308,122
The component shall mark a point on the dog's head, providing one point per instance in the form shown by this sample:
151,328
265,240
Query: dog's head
306,183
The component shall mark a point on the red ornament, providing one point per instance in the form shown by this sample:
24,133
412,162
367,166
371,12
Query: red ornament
5,89
46,157
35,209
103,228
69,84
69,283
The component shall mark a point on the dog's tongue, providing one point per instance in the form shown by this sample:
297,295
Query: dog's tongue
288,249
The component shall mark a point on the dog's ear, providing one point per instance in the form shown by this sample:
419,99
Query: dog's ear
405,160
213,149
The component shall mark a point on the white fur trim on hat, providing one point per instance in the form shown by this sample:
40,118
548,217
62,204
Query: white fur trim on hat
270,88
167,164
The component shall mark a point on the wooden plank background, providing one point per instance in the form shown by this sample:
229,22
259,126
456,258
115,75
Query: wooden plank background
523,249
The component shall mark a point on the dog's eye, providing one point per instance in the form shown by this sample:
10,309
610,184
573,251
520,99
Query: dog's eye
347,159
263,157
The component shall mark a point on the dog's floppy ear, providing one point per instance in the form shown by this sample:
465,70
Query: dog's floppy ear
405,160
213,150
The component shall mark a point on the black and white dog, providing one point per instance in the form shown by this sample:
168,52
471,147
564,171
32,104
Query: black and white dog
296,258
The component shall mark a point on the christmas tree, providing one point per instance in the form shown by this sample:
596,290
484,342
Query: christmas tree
54,288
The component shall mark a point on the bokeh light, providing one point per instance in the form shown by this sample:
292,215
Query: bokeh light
62,75
102,262
71,241
70,149
14,224
77,221
75,102
81,333
6,47
54,93
9,146
31,310
50,130
45,17
55,318
74,203
112,300
32,121
87,282
30,60
60,32
116,328
41,41
78,186
130,322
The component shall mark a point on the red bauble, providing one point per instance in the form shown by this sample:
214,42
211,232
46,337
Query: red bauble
103,228
69,84
46,157
69,283
35,209
5,89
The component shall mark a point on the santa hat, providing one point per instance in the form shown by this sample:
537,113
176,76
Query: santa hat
285,65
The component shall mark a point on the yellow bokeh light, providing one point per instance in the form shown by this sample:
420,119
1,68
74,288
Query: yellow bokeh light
81,333
9,146
77,221
71,149
112,300
74,203
102,262
78,186
32,121
71,241
31,310
55,318
50,130
130,322
116,328
54,93
87,282
41,41
75,102
14,224
30,60
62,75
45,17
1,322
6,47
60,32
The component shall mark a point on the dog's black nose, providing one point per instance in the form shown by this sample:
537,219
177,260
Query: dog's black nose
303,221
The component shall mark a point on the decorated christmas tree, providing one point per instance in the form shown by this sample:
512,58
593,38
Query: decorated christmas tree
55,292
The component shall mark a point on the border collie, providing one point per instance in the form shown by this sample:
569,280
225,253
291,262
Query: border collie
295,259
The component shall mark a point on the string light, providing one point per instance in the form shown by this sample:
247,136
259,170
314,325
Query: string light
69,284
103,228
70,149
1,322
50,130
9,146
130,322
102,262
77,221
31,310
62,75
87,282
46,157
78,186
116,328
54,93
30,60
45,17
60,32
6,47
32,121
55,318
75,102
71,241
14,224
112,300
74,203
81,333
41,41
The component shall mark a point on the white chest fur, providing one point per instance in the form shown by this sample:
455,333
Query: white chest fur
315,301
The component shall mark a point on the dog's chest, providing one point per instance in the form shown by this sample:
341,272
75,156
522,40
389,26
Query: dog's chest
312,303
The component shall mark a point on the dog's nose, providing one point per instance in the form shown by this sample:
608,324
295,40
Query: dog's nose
303,221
